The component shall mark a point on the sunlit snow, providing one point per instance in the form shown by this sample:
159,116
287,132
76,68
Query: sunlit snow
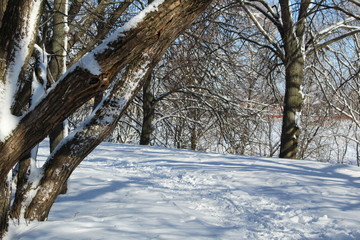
137,192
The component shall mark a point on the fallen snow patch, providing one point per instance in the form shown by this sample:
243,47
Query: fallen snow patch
137,192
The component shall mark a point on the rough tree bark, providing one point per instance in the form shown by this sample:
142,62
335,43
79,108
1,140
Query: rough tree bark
148,107
294,48
16,41
104,120
57,65
3,4
290,21
148,113
152,36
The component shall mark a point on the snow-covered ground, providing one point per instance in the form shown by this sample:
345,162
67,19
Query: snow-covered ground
137,192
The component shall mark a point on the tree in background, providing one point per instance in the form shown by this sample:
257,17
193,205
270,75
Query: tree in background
292,32
223,84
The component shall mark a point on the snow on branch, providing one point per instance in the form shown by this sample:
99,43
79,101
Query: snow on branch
131,24
89,61
342,24
321,35
110,108
259,27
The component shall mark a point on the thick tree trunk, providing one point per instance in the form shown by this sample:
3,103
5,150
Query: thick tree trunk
17,38
292,109
148,113
60,166
293,37
152,37
79,84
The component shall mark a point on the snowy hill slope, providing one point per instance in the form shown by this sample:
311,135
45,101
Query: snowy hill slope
137,192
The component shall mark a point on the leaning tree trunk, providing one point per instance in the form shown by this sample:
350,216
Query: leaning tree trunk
103,121
152,37
69,155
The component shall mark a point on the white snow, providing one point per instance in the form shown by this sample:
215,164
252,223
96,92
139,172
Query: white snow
8,122
89,63
118,102
298,119
39,89
138,192
132,23
65,39
302,92
140,17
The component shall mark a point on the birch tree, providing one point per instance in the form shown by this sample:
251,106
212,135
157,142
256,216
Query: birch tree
116,66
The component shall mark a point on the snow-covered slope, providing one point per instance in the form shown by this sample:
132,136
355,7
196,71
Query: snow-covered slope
136,192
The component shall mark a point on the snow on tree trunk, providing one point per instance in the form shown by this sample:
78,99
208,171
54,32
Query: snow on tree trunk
17,40
15,53
292,109
101,123
148,34
293,39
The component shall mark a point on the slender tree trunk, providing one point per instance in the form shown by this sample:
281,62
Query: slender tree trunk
5,194
57,65
22,186
148,113
193,138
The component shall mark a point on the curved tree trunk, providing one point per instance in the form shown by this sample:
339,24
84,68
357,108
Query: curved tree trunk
149,39
63,162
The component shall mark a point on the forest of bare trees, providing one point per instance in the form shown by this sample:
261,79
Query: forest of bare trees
267,78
